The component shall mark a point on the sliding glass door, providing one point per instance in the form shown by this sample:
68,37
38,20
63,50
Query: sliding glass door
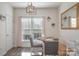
32,26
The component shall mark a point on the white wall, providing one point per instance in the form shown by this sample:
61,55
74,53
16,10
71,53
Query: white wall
6,41
45,12
68,34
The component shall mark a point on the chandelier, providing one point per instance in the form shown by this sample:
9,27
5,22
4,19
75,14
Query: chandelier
30,9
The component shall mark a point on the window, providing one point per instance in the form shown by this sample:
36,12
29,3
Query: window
36,35
32,26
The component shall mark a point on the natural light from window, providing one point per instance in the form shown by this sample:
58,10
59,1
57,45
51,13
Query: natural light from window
73,22
32,26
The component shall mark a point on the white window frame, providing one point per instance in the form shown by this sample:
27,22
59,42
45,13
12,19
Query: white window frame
32,24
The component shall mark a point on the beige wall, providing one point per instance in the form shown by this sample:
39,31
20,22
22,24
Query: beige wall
6,28
45,12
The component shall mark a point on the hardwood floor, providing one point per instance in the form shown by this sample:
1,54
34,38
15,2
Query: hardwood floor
19,52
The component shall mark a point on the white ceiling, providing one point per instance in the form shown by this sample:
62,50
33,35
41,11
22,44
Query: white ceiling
36,4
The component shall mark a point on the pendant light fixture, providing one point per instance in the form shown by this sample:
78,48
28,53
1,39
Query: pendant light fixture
30,9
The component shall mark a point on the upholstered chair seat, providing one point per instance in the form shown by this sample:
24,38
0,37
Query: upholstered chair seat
37,43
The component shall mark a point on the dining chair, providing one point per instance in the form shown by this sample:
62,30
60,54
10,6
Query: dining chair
71,48
36,47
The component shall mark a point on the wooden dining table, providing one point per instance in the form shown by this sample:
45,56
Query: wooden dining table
50,46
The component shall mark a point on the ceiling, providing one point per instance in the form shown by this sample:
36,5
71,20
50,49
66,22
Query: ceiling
36,4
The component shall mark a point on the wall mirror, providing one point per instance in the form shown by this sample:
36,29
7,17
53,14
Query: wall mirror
69,18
